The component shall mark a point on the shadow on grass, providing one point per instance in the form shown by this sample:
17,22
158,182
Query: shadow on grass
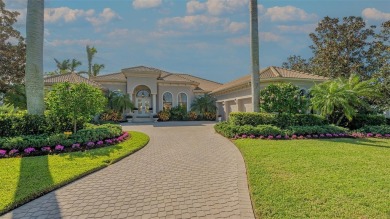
92,153
370,142
34,178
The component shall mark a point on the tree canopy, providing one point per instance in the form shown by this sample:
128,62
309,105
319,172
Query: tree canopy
12,50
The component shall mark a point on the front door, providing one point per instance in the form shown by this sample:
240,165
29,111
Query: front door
143,105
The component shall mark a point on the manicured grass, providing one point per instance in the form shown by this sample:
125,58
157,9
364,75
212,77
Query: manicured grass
22,179
333,178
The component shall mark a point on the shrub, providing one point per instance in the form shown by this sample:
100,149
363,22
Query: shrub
178,113
283,97
22,124
192,116
210,116
110,115
362,120
310,130
380,129
164,115
228,130
278,120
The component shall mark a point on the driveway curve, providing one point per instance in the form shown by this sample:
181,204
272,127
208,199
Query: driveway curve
186,171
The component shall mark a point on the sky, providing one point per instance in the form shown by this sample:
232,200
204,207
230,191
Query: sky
205,38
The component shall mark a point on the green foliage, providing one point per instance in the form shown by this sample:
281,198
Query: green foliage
309,130
278,120
22,124
178,113
283,98
341,98
297,63
91,133
378,129
76,102
164,115
192,115
16,96
12,50
228,130
203,104
7,109
111,115
361,120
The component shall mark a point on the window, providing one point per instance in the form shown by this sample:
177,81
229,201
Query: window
143,93
182,100
167,101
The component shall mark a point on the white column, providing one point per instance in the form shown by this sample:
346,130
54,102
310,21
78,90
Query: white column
154,96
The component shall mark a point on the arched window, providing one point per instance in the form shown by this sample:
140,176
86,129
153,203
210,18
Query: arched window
167,101
182,100
143,93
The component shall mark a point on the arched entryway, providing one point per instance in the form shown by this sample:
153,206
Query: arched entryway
143,100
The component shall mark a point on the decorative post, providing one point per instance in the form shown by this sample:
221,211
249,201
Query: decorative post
154,103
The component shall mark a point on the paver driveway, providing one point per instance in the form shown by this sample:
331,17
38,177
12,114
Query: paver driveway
186,171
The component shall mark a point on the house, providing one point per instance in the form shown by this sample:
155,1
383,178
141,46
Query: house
153,90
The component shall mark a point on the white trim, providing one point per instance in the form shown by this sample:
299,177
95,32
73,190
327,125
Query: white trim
234,99
182,92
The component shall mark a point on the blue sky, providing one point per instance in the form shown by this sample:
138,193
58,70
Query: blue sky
206,38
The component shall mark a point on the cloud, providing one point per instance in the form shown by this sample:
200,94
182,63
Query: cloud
80,42
306,28
216,7
288,13
140,4
202,22
235,27
375,14
263,37
66,14
105,17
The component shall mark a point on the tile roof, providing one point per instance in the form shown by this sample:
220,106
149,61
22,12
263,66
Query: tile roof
118,77
69,77
270,73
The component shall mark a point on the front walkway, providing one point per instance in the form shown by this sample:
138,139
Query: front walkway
186,171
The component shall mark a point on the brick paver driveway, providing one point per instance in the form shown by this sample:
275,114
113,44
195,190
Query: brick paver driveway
186,171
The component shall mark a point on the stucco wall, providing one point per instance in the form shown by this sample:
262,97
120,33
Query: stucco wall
135,81
114,86
175,90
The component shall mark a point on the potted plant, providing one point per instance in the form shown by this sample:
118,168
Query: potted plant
219,118
155,118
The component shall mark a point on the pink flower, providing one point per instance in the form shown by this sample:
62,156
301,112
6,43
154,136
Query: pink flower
244,136
308,136
378,135
108,141
322,135
46,149
335,135
76,146
261,137
329,135
252,136
301,137
278,137
294,136
287,137
270,137
315,136
90,144
387,135
100,143
13,152
2,153
59,148
370,135
29,150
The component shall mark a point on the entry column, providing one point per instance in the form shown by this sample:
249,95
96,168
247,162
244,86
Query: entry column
154,103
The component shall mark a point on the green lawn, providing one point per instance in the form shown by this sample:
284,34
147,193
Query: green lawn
338,178
22,179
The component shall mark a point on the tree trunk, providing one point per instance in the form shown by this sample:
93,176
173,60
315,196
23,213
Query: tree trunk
34,57
255,80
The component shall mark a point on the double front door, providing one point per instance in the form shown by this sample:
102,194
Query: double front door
143,105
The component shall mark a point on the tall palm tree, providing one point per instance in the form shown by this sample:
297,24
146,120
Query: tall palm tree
74,64
255,79
34,57
91,51
96,68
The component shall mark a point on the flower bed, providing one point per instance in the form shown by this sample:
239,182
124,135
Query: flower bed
315,136
37,151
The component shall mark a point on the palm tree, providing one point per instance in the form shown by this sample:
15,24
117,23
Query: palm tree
34,57
204,104
344,96
96,68
74,64
64,66
91,51
255,79
121,102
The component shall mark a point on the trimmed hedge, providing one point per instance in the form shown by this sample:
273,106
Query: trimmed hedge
310,130
278,120
381,129
228,130
91,134
362,120
22,124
